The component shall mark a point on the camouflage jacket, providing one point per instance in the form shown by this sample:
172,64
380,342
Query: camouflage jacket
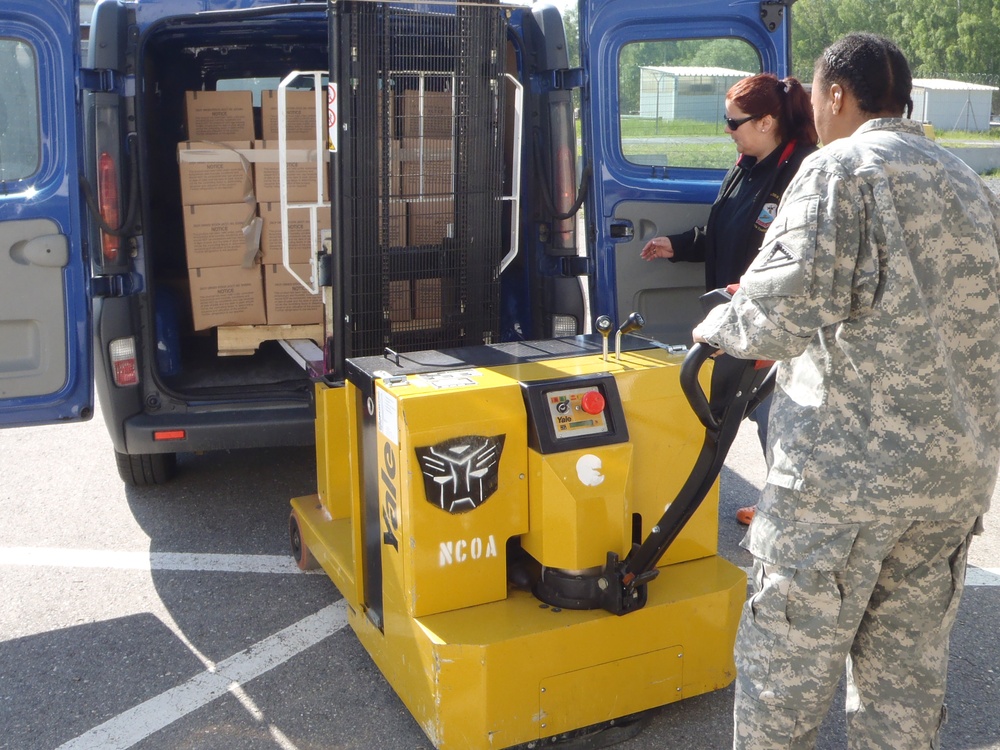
878,290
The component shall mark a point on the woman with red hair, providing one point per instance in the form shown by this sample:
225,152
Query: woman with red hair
771,123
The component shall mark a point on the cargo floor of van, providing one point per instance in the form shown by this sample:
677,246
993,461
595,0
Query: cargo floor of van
201,370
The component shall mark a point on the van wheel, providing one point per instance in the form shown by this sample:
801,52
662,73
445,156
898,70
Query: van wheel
145,469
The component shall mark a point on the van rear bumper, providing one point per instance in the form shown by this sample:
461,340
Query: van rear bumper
254,427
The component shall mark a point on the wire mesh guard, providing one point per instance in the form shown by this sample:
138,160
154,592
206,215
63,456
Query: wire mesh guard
423,176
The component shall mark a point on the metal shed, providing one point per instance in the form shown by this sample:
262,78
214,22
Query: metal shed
952,105
685,92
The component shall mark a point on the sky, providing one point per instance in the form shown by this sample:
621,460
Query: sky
563,5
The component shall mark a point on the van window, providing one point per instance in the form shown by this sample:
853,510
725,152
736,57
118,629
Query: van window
672,100
20,143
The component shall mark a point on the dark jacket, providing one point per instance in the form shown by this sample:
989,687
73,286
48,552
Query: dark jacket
745,208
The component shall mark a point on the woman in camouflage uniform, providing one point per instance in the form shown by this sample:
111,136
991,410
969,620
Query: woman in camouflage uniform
878,290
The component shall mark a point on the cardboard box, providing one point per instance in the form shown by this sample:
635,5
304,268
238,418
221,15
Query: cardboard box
301,172
392,187
428,299
287,301
298,232
220,235
386,109
430,221
427,115
215,173
426,166
425,149
395,235
427,178
300,115
226,296
219,115
390,167
400,301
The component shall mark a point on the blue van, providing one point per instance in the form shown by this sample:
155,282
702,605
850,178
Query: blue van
94,286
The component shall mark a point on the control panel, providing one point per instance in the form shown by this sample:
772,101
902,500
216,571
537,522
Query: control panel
573,413
577,411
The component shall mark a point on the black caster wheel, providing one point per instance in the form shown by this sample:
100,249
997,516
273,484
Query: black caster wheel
303,557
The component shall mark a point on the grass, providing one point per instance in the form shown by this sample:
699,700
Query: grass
706,144
960,138
635,127
697,144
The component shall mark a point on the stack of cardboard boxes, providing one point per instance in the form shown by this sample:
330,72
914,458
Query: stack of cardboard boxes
232,222
421,198
425,155
229,174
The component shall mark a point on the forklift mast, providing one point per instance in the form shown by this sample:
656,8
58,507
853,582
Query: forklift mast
420,162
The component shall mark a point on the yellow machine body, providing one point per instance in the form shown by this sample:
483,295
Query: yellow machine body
478,661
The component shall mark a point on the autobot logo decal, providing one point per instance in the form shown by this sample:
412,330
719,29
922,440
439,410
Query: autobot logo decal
461,473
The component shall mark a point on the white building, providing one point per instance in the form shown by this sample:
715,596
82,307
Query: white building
86,11
685,92
952,105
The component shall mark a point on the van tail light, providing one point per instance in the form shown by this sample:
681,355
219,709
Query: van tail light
124,367
107,196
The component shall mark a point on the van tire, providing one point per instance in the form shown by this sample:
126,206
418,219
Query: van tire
146,469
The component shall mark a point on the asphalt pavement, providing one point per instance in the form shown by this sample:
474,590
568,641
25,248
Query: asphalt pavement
173,617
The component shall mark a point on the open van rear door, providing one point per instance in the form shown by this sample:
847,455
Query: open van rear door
657,72
46,363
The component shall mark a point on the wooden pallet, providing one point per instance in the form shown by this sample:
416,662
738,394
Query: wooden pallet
242,340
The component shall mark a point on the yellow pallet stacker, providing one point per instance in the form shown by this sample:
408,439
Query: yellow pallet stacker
525,535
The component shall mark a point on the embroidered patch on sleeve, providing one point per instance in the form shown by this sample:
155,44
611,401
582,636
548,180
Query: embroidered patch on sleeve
776,272
777,256
767,214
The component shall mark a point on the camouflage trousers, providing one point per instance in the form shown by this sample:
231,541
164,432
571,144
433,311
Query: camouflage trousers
878,599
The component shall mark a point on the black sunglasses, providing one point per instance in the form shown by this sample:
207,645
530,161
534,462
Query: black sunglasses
733,123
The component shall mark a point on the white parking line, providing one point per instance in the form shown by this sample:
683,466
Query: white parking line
228,676
140,722
112,559
982,576
275,564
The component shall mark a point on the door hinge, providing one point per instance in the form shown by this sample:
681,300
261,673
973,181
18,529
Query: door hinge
575,265
116,285
107,81
565,79
772,12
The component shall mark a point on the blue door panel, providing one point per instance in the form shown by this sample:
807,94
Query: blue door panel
633,199
45,341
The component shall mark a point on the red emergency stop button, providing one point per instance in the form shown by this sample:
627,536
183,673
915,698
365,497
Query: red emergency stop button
592,402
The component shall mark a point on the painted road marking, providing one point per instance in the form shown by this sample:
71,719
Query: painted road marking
113,559
973,576
982,576
228,676
202,562
140,722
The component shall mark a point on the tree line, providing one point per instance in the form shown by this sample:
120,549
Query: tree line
955,39
958,39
